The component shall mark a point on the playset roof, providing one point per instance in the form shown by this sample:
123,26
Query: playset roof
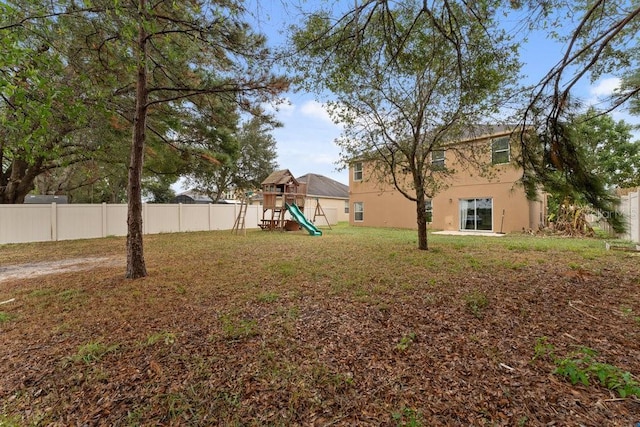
280,177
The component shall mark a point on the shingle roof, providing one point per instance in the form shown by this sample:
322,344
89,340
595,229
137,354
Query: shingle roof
196,196
469,134
45,199
279,177
321,186
483,131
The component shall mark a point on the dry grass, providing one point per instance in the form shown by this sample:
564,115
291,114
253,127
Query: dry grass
355,327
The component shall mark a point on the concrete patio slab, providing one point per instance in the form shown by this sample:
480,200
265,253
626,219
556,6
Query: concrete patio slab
469,233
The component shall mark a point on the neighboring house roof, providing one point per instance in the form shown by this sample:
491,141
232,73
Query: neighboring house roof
45,199
256,197
322,186
195,196
280,177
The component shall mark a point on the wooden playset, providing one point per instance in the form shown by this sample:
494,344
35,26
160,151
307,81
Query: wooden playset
282,193
279,189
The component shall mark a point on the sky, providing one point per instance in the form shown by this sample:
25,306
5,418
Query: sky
305,144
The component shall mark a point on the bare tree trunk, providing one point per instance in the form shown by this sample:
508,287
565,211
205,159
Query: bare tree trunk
15,190
135,256
421,215
19,182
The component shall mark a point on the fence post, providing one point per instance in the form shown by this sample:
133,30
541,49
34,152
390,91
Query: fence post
104,219
54,221
626,202
210,214
144,219
635,210
179,217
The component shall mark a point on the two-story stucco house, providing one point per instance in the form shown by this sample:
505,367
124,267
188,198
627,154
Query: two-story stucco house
483,197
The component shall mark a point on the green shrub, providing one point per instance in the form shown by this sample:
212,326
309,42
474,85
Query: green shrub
93,351
234,328
407,417
476,303
582,367
406,341
5,317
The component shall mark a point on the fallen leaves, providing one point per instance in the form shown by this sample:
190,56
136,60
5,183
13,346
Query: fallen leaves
338,340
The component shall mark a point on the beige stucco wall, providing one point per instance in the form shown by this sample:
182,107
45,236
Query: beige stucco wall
334,209
507,197
327,203
384,206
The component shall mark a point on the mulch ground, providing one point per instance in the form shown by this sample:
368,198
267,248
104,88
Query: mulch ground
421,354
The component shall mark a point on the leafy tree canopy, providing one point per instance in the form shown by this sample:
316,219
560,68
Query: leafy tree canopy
44,114
144,64
243,168
609,149
407,78
600,38
604,158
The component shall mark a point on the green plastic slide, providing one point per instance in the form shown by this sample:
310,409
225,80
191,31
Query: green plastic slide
304,222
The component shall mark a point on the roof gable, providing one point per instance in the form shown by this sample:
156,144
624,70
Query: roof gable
477,132
322,186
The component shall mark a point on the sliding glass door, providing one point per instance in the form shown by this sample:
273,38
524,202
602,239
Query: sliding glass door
476,214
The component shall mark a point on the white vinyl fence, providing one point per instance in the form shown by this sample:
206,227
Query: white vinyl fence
630,208
52,222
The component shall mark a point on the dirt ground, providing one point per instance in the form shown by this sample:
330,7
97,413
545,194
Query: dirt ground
23,271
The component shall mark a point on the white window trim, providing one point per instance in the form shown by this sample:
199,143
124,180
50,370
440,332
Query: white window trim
476,229
435,162
357,171
429,210
355,211
502,150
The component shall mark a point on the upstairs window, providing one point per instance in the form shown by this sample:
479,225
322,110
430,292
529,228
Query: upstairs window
437,160
357,171
500,152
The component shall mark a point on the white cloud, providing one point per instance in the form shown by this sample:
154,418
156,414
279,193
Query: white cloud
283,108
305,143
605,87
316,110
598,98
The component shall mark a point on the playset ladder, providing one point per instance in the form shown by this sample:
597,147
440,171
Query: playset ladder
239,225
277,218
